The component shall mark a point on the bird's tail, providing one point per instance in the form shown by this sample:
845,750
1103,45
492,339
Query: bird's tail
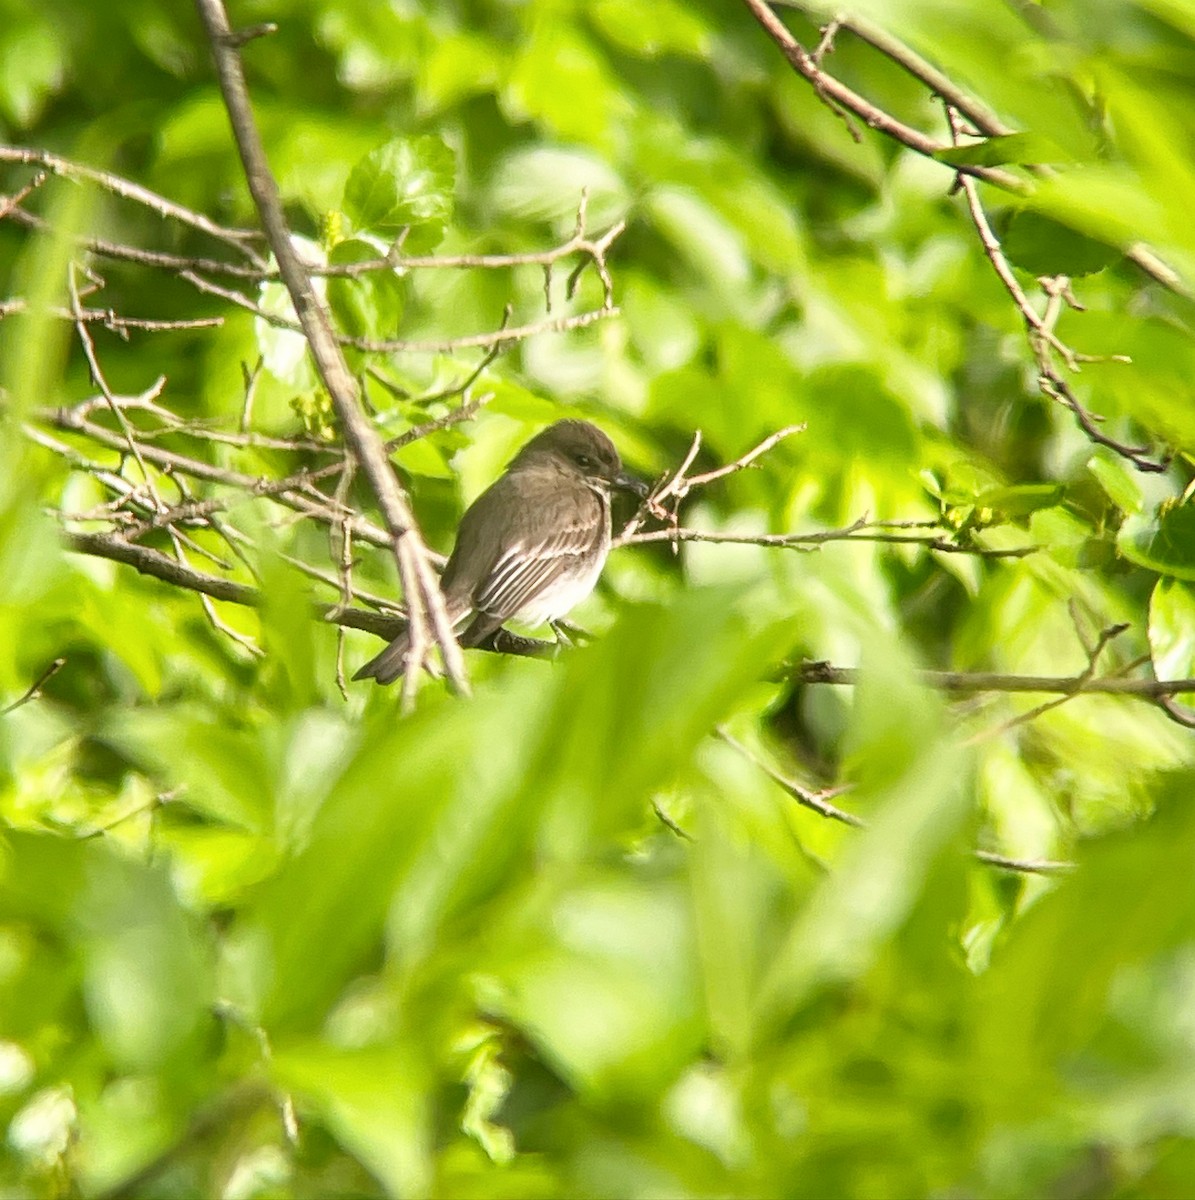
389,665
392,662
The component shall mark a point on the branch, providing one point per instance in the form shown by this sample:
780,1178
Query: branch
860,531
818,803
469,341
983,119
153,563
962,682
110,320
1040,326
595,250
241,239
289,491
428,619
876,118
835,93
33,691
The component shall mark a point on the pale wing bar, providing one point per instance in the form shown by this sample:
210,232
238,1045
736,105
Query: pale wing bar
519,574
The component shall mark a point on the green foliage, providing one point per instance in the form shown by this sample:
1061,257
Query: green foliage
405,185
558,938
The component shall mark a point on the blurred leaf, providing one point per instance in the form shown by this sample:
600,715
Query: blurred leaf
701,237
1119,481
366,305
546,182
1172,629
403,791
284,351
458,65
667,27
1043,246
406,184
146,973
1048,991
603,981
374,1100
1163,541
215,766
1008,148
33,64
552,66
917,784
691,660
1021,499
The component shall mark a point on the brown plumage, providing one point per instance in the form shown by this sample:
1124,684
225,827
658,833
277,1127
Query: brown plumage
532,545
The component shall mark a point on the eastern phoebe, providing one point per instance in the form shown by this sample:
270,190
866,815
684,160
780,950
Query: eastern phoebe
532,545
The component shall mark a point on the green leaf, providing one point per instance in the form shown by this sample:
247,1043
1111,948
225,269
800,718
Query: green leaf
545,183
434,810
386,826
406,184
1056,982
33,63
218,768
147,976
1019,499
652,31
366,305
423,457
457,66
1172,629
1008,148
552,68
374,1100
1163,541
604,980
1042,246
917,783
284,351
1120,482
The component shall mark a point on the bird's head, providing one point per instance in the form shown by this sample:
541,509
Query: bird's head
580,449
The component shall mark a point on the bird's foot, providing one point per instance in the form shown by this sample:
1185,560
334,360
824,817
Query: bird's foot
563,641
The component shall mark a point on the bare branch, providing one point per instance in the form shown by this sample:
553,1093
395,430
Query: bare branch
469,341
34,689
1040,326
982,118
874,117
860,531
242,240
816,801
420,583
964,682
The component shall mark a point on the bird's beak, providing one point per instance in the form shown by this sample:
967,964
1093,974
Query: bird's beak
629,483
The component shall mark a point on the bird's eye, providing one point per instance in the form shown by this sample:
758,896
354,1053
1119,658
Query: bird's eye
584,461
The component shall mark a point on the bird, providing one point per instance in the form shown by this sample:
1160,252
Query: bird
531,547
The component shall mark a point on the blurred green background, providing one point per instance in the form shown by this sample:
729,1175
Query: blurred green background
461,953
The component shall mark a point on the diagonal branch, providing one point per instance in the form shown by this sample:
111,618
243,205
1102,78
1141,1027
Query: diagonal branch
428,620
818,802
837,93
842,98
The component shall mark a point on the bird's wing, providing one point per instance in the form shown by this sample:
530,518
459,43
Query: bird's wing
527,567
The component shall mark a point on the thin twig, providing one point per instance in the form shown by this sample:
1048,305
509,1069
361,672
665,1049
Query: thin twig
833,90
34,689
470,341
242,240
420,584
967,682
817,803
837,94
